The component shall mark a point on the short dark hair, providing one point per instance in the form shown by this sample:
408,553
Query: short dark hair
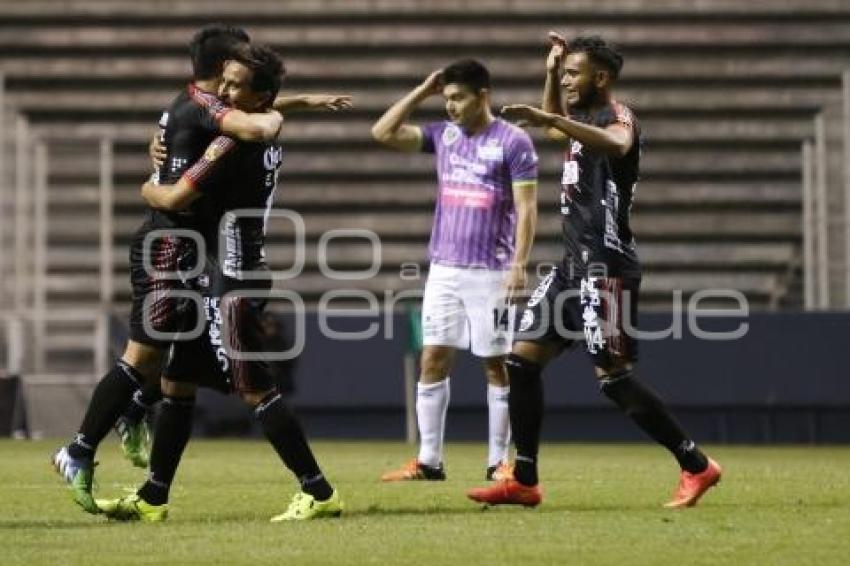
599,52
267,66
469,73
212,46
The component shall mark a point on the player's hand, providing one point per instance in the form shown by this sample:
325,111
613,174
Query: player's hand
557,52
156,150
525,115
332,102
433,84
515,284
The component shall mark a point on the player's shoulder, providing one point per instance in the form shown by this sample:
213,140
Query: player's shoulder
617,112
513,134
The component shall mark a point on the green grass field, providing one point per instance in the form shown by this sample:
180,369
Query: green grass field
602,506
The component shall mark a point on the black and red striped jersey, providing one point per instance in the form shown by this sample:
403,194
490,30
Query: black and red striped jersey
189,124
237,180
597,191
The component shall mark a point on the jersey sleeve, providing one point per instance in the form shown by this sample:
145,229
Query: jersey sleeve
210,110
622,114
430,133
522,159
204,172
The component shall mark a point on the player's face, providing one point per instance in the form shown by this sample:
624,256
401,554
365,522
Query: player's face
579,80
235,88
463,106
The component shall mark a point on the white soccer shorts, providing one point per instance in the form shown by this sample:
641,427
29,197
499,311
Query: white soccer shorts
466,308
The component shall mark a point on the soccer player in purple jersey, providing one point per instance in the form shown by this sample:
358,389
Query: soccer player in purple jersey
586,298
482,234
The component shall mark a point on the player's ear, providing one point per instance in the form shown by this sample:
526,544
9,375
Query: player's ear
602,78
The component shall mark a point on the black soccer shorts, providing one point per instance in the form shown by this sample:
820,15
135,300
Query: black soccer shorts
599,312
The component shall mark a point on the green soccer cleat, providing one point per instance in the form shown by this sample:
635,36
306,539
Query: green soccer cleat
135,441
79,473
133,508
305,507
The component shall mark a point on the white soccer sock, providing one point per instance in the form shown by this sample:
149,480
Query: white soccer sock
500,424
432,401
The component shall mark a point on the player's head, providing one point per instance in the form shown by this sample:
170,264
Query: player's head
211,47
466,88
251,80
590,69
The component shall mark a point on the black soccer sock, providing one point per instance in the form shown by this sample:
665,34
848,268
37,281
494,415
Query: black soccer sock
287,437
526,410
171,434
111,395
646,409
142,401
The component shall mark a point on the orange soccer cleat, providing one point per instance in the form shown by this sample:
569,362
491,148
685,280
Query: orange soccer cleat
415,470
507,492
692,486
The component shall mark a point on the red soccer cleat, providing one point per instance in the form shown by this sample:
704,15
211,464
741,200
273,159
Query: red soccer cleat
507,492
692,486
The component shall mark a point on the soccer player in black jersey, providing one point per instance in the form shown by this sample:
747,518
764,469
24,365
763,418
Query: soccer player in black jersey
194,118
232,176
586,298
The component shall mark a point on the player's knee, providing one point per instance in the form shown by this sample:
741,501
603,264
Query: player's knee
613,370
178,389
496,372
254,398
435,364
522,371
145,359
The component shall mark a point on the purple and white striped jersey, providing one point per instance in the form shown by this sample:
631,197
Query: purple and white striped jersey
475,218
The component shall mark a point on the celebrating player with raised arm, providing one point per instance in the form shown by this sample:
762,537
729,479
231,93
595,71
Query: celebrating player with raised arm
588,296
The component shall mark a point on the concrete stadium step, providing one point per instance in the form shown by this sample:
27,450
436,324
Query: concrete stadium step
374,162
375,195
322,10
317,130
509,69
654,255
655,101
298,10
457,34
687,224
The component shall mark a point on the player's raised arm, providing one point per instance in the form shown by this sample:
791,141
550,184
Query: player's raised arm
615,139
194,182
305,102
552,101
391,128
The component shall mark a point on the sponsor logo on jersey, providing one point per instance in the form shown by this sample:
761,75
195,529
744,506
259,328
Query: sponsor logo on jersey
272,158
490,153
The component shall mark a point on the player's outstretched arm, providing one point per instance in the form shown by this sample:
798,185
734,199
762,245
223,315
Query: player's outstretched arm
391,129
306,102
615,139
254,127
